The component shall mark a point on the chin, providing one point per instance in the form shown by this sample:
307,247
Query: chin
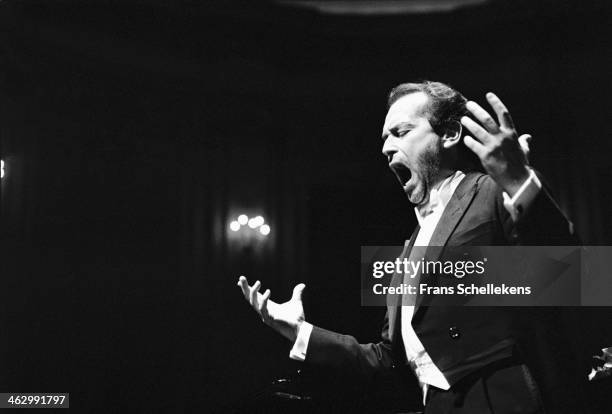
416,200
416,196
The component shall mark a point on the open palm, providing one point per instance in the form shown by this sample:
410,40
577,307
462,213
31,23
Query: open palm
284,318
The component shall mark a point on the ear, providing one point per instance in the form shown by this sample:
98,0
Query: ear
452,136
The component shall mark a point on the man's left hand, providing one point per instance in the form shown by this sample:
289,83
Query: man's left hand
497,145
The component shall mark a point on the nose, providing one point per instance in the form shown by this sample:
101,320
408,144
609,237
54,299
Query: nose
389,149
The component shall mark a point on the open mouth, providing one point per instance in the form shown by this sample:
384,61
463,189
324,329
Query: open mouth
402,173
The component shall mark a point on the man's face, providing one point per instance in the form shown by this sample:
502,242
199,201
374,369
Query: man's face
411,146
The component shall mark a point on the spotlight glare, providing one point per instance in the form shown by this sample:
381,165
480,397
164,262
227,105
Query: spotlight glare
243,219
265,229
1,168
234,226
259,220
252,223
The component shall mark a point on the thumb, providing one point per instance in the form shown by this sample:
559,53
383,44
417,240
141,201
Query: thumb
524,141
297,292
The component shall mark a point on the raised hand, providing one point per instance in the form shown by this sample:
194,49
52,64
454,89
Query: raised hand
502,152
285,318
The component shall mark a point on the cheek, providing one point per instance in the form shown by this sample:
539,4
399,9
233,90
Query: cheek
419,147
429,145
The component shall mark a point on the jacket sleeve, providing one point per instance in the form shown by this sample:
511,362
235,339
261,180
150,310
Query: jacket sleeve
346,354
542,224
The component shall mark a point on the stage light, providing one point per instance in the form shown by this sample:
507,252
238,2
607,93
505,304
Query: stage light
1,168
248,229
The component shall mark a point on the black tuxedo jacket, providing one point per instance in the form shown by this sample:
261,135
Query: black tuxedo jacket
460,340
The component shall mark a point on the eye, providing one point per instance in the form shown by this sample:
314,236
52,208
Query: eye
402,132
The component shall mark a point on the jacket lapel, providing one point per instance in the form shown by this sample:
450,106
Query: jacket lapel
394,301
454,211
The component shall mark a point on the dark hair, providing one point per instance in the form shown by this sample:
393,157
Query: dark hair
444,111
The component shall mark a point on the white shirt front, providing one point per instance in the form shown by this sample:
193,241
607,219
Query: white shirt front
428,216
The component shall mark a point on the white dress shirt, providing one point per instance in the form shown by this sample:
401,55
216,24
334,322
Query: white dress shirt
428,216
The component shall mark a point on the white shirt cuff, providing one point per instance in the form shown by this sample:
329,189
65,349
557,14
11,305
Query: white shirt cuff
519,203
298,352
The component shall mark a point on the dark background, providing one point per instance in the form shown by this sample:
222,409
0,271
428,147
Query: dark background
133,132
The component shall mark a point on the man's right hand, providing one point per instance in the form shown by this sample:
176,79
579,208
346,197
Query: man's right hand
285,318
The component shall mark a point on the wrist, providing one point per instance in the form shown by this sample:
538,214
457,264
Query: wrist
514,184
290,330
296,331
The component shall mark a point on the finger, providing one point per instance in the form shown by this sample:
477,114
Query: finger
503,115
253,295
524,141
263,307
297,292
261,299
483,116
476,129
244,286
524,144
475,146
527,138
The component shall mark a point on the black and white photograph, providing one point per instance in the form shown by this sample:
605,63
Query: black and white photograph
306,206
